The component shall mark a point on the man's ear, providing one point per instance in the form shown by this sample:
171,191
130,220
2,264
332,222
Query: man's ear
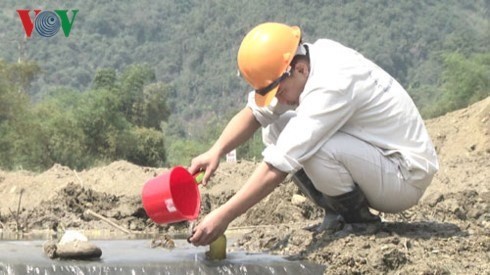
302,68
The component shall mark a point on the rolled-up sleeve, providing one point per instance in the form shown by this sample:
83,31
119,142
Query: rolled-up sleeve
320,114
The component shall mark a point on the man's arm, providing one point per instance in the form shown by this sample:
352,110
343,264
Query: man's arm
240,128
262,182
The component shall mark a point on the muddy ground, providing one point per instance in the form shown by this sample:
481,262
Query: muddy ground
447,233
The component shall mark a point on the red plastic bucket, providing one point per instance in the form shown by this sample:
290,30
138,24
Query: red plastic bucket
172,197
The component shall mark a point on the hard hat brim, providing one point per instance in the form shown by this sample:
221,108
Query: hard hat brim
265,100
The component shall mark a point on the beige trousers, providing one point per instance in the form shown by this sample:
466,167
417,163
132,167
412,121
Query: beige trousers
345,160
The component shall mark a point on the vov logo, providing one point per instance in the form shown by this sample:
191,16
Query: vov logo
47,23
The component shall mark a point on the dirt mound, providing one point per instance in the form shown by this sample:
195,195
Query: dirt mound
118,178
66,209
465,132
448,232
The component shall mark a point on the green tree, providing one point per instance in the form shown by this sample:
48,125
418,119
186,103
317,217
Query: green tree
132,83
464,81
17,130
151,110
100,118
63,140
105,79
23,73
147,147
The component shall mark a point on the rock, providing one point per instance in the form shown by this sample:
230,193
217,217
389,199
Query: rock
78,250
71,236
164,241
452,205
73,245
393,259
49,248
475,213
297,200
433,199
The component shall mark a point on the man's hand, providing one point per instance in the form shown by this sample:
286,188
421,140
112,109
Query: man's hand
207,162
209,229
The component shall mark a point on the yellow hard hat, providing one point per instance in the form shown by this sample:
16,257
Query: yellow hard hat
265,55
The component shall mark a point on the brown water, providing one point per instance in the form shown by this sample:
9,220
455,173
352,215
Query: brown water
136,257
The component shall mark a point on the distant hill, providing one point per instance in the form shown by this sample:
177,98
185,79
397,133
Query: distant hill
192,44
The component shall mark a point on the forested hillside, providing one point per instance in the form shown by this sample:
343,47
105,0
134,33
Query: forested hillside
439,50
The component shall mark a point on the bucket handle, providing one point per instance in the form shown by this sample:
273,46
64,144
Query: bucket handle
198,176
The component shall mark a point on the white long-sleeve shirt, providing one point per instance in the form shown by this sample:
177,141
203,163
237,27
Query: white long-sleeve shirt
347,92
